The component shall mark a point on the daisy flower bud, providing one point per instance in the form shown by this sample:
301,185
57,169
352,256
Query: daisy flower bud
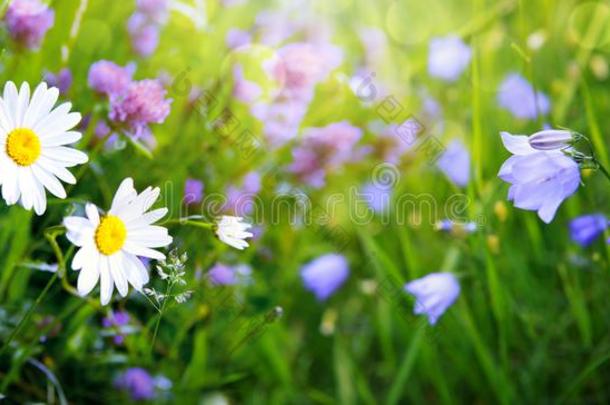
551,139
233,232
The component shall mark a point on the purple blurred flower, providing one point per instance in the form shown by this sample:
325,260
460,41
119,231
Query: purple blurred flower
325,274
116,319
322,149
518,96
109,78
154,10
221,274
433,294
455,163
375,43
378,198
144,34
236,38
302,65
233,3
281,119
244,90
193,191
392,141
540,181
142,104
240,200
274,26
586,228
62,80
448,57
28,21
448,225
138,383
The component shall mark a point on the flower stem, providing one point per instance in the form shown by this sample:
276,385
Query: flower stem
183,221
28,314
165,299
603,170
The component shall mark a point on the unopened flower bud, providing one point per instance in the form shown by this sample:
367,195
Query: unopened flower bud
550,139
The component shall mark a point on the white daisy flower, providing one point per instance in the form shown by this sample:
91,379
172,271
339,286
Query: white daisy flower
110,244
33,155
232,231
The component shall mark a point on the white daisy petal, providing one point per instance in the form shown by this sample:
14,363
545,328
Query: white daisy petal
40,200
58,171
124,195
6,123
10,99
60,125
93,214
68,156
142,251
137,274
26,186
37,99
79,230
55,115
147,219
23,101
150,236
63,138
10,189
88,276
49,181
106,282
50,98
118,275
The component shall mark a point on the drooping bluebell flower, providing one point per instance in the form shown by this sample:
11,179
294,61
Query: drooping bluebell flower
455,163
378,198
448,57
586,228
433,294
324,275
540,180
138,383
518,96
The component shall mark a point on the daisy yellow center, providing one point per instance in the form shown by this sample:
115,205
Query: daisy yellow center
23,146
110,235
